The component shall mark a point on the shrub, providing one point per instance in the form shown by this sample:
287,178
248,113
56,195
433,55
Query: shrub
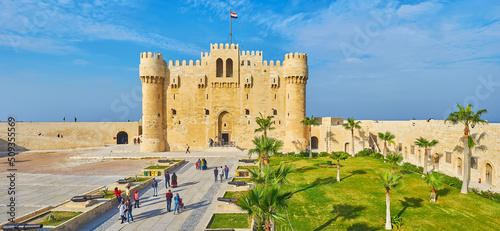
306,154
329,162
377,155
452,181
290,154
396,221
365,152
323,154
278,154
413,168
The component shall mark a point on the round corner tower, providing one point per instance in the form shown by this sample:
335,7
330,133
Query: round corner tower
295,72
153,72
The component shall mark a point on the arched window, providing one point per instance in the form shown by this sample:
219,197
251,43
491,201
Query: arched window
248,62
275,112
220,65
247,112
174,112
229,68
207,112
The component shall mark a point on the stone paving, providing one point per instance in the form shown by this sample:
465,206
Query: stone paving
36,191
197,189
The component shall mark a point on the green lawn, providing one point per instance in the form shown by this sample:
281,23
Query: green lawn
358,203
244,179
230,220
233,194
57,218
157,167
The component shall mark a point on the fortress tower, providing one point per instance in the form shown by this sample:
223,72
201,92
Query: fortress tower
295,72
218,98
153,73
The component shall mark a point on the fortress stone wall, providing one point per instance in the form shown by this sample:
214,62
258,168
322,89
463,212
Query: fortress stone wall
219,96
75,135
332,137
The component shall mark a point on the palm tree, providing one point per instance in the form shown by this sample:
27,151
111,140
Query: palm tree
388,181
264,148
310,121
468,118
473,143
426,145
265,124
393,158
271,175
387,137
264,203
351,125
435,180
339,156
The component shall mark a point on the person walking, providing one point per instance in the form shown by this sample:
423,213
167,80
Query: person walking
226,171
129,212
187,149
136,199
196,165
127,192
177,200
122,208
174,180
216,172
169,196
154,185
221,174
199,164
167,180
75,119
118,194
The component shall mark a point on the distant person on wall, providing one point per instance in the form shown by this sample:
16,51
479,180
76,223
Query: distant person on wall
75,119
121,208
174,180
226,170
64,119
167,180
177,203
154,185
187,149
216,172
129,212
136,199
118,194
169,196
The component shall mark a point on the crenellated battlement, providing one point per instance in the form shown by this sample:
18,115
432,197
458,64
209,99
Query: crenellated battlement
295,56
222,46
178,63
150,55
272,63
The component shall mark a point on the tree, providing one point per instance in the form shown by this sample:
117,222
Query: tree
388,181
426,145
351,125
264,148
473,143
393,158
467,118
265,203
271,175
387,137
435,180
339,156
265,124
310,121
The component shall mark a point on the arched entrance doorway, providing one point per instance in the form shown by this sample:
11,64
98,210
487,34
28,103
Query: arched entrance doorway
225,127
489,174
459,166
122,138
314,142
346,147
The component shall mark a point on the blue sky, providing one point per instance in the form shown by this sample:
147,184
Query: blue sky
380,60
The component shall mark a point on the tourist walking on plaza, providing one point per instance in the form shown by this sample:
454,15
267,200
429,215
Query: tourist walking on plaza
226,170
118,194
129,212
136,199
154,185
221,174
127,192
177,201
174,180
167,180
169,196
122,207
216,172
187,149
198,163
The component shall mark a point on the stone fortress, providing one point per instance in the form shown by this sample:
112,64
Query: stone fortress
219,97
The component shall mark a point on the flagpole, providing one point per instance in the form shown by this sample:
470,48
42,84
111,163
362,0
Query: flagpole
230,29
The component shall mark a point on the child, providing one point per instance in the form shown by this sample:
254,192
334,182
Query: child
136,199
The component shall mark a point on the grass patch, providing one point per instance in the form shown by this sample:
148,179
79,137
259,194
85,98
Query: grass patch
244,179
233,194
247,167
357,202
54,218
230,220
138,179
158,167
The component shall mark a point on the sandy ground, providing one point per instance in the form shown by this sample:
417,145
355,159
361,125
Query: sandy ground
58,163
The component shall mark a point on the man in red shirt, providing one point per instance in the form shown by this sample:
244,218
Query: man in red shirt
169,196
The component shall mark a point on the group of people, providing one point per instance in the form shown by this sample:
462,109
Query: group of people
201,164
223,172
137,140
125,205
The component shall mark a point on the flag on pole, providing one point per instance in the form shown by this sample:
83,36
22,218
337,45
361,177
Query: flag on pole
234,15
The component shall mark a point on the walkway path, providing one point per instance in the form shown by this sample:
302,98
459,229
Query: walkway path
197,190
